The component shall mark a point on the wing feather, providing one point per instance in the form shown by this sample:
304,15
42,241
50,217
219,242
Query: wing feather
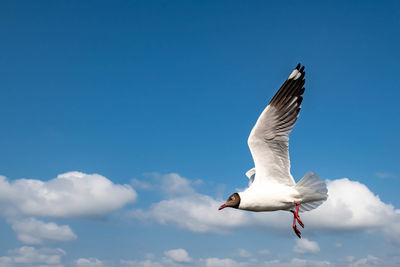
269,138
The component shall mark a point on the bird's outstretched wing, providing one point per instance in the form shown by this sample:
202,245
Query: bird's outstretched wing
269,138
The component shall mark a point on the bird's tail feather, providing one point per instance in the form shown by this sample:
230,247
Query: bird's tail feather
312,190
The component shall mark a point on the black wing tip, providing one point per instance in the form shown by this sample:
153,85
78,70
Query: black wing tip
295,80
300,68
299,100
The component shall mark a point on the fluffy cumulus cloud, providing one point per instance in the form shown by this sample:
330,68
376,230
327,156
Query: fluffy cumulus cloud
30,256
173,257
89,262
305,246
351,206
69,195
72,194
33,231
178,255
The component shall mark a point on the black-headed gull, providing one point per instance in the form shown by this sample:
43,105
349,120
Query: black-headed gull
271,186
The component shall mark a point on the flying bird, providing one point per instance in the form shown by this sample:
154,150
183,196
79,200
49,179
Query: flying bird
271,185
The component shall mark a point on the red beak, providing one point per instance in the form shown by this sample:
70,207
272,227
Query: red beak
222,206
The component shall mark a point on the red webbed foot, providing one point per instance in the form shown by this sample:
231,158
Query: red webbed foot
297,231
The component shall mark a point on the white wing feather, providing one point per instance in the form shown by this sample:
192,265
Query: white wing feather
269,138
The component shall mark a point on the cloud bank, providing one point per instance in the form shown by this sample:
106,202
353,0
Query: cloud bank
351,206
33,231
72,194
69,195
30,256
350,261
89,262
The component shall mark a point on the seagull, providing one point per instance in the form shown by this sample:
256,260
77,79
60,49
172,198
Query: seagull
271,185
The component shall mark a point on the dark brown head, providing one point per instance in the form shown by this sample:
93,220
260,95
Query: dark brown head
233,202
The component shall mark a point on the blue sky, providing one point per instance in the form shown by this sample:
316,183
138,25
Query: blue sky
150,94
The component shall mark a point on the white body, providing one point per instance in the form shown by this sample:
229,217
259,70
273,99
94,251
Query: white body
268,197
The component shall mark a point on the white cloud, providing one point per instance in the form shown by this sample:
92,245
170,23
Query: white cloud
142,184
253,262
169,184
296,262
304,246
392,231
141,263
217,262
370,260
351,206
89,262
33,231
173,257
367,261
72,194
174,184
307,263
194,212
30,256
178,255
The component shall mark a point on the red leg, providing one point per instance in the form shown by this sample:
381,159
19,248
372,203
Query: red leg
297,217
296,214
